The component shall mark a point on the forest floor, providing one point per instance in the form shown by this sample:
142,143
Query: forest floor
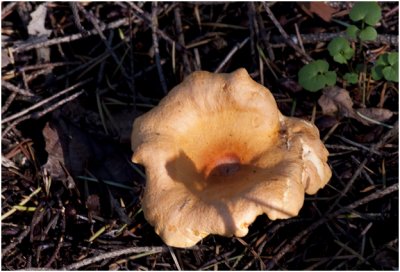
75,76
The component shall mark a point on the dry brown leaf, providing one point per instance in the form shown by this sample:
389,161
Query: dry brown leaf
55,164
335,100
377,114
321,9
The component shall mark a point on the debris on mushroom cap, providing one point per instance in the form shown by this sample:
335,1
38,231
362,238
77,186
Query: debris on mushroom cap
218,153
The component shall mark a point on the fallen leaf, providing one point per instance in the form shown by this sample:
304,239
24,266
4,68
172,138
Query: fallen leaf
55,159
336,100
321,9
377,114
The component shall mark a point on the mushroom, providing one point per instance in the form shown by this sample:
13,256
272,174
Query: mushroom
218,153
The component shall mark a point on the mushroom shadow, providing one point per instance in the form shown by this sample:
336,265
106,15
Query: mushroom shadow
215,190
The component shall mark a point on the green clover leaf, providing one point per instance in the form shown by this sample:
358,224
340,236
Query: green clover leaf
386,66
391,73
352,31
339,48
369,12
393,58
316,75
368,34
351,78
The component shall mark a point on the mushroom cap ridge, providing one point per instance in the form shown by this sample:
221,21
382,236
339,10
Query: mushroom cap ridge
218,153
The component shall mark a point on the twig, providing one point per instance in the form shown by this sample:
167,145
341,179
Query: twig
171,251
181,39
6,10
254,33
154,26
99,29
44,101
285,35
77,21
61,238
392,40
100,76
46,65
148,69
113,254
17,241
231,53
29,45
312,227
22,203
8,102
16,89
299,38
37,115
359,145
148,20
357,173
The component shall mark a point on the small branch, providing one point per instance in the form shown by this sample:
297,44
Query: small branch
44,101
230,54
22,203
113,254
374,149
148,20
285,35
16,242
154,26
29,45
16,89
181,38
77,21
392,40
8,102
99,30
36,115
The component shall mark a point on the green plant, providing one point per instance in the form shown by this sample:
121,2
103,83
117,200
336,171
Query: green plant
339,48
386,66
351,78
368,13
316,75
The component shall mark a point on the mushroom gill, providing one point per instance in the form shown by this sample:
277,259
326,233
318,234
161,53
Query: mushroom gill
218,153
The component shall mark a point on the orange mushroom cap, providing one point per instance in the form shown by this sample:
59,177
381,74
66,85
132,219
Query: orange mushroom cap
218,153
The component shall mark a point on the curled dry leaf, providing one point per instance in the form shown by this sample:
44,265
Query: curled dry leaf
337,101
55,160
377,114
